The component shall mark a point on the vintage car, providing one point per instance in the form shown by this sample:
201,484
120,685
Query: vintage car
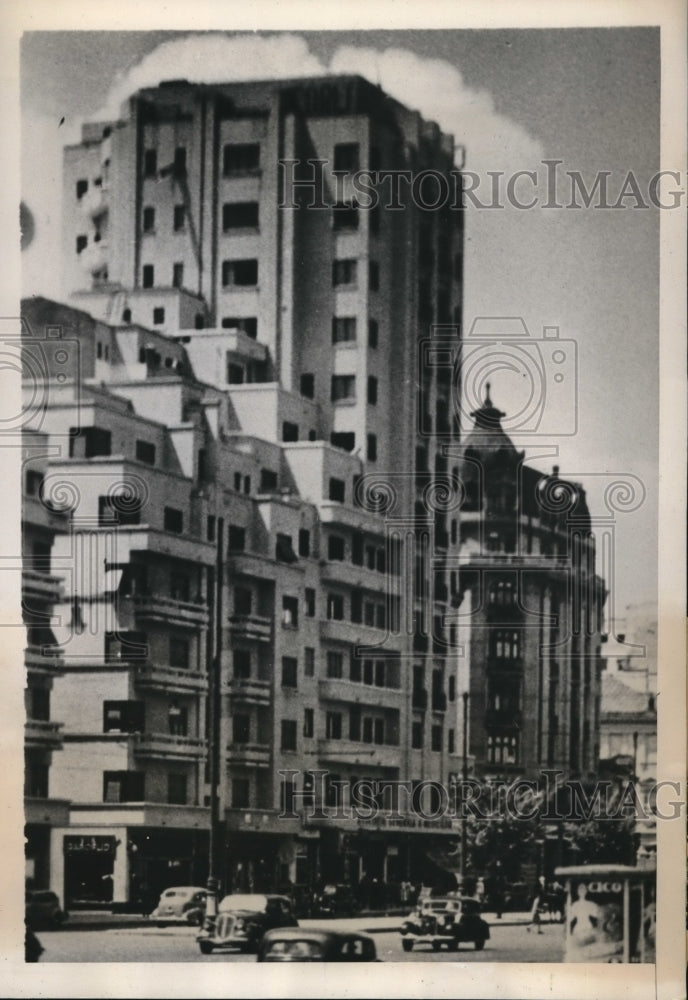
295,944
242,920
42,910
180,904
335,901
450,920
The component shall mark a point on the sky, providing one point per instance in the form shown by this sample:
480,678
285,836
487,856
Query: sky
512,98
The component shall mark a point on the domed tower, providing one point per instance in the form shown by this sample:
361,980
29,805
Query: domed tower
529,610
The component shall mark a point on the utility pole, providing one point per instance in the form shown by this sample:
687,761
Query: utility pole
214,697
465,782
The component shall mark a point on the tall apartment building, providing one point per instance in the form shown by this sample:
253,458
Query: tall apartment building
249,374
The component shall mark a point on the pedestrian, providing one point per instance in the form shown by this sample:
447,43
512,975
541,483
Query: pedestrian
538,894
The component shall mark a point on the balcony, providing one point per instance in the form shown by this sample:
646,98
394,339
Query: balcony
35,512
155,677
250,564
360,694
358,635
166,746
332,512
248,755
189,614
249,690
49,663
338,571
256,627
43,733
348,752
41,585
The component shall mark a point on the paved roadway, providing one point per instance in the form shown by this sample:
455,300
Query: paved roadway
508,943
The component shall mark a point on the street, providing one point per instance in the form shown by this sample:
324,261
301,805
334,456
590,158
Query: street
508,943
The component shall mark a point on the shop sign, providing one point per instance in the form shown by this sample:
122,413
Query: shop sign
86,844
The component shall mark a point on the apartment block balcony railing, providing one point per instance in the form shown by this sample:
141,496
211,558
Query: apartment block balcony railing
166,745
43,733
340,630
258,627
248,755
249,690
158,677
42,585
349,752
153,607
363,694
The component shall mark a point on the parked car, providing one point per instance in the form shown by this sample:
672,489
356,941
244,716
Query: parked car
42,909
447,920
180,904
243,919
294,944
335,901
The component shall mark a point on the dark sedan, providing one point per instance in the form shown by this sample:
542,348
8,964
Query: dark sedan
294,944
243,919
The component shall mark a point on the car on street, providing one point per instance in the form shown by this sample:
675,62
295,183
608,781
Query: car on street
335,901
180,904
42,909
295,944
449,920
242,920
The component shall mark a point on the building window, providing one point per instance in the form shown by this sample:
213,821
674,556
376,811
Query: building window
178,275
290,431
356,606
288,733
148,219
123,786
210,528
179,653
177,720
304,542
122,717
235,372
336,548
344,272
345,217
373,276
335,607
81,188
283,549
241,793
346,156
247,325
451,741
236,538
180,161
241,273
240,215
346,440
179,218
502,749
417,735
343,329
310,602
373,330
436,739
180,586
290,668
290,612
243,601
148,275
158,316
150,162
337,490
242,664
81,243
502,593
451,691
343,388
118,510
333,725
268,484
173,520
309,662
505,644
372,447
308,723
372,390
240,158
241,729
307,385
335,665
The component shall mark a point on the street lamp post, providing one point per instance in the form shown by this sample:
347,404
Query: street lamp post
465,781
214,695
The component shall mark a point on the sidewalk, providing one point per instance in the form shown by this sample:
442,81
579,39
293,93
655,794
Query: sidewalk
371,922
